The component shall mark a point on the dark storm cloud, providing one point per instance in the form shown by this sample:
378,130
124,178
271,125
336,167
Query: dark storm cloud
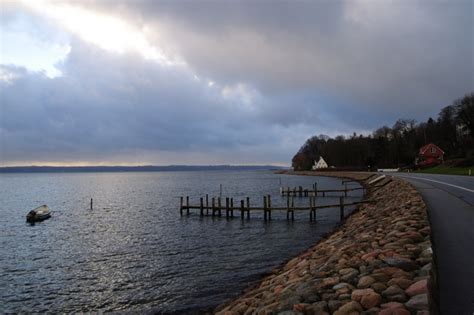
105,105
282,70
415,56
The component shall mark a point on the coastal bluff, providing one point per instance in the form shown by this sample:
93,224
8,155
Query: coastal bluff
378,261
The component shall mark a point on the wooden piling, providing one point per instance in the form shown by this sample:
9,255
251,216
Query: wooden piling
231,207
341,208
269,204
248,208
201,204
292,208
219,207
207,204
187,205
265,208
227,207
92,204
213,206
242,209
288,207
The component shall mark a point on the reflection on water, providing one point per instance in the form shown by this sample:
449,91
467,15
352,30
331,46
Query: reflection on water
134,251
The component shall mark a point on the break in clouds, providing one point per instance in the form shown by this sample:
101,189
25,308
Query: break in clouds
222,82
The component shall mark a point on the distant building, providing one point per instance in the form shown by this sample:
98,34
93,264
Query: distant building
320,164
429,155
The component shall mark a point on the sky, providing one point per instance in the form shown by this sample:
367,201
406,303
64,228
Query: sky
160,82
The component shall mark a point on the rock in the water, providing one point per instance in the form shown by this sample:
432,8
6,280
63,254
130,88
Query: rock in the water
418,302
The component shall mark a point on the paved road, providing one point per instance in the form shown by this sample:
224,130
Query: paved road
450,201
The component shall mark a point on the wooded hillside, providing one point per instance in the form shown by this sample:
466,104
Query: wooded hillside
398,146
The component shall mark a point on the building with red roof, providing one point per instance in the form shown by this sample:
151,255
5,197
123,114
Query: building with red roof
430,155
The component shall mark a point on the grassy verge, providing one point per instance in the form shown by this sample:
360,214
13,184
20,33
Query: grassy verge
440,169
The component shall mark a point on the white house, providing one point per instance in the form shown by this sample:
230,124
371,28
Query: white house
320,164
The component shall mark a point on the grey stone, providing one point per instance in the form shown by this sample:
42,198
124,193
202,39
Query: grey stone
402,263
418,302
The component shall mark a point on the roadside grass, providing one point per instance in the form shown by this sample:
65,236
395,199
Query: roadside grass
440,169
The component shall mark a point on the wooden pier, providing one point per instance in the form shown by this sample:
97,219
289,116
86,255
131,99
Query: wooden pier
314,192
215,208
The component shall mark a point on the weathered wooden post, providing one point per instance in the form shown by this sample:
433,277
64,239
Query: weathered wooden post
219,206
300,191
201,205
242,209
187,205
92,204
207,204
265,208
341,205
227,207
181,206
310,209
288,207
248,208
231,207
292,208
213,206
269,202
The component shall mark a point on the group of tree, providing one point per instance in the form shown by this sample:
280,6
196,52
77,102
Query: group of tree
452,131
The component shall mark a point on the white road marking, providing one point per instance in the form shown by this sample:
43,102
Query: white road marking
439,182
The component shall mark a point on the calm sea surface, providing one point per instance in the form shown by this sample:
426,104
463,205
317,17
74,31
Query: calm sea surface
134,252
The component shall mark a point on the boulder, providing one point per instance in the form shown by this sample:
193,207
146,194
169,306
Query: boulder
418,302
371,300
402,263
349,309
417,288
365,282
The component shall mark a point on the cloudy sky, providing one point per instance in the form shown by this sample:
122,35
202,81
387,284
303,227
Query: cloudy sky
212,82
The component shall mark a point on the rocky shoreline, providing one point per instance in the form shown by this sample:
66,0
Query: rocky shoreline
378,262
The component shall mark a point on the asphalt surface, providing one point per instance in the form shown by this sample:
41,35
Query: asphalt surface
450,201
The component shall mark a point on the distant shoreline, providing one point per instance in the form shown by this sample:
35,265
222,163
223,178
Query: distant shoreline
144,168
